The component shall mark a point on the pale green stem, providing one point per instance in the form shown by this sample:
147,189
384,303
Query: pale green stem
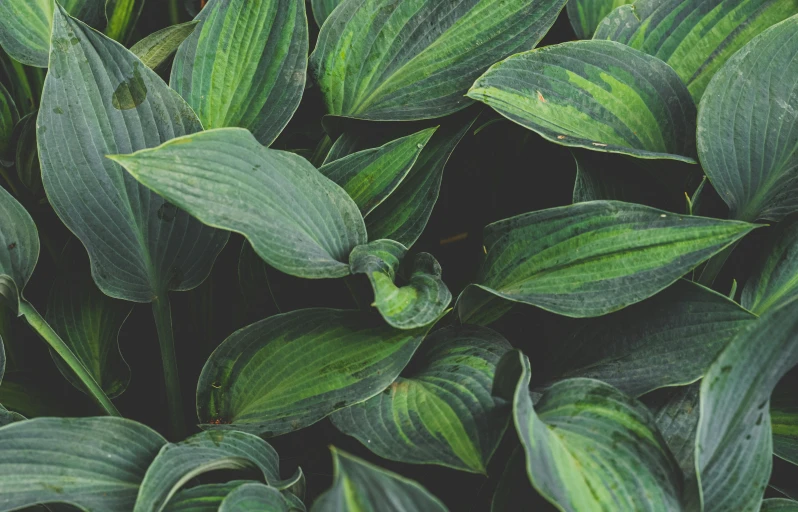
162,312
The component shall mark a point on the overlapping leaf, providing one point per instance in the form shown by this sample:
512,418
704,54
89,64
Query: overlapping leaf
289,371
322,9
442,412
585,15
598,95
779,505
245,65
27,163
784,419
775,278
140,246
676,411
8,120
254,497
19,249
296,219
415,59
156,49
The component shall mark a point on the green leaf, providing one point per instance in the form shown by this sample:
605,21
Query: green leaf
695,37
590,259
7,417
514,486
779,505
442,412
158,47
140,246
360,486
296,219
94,463
202,498
9,116
784,420
29,169
676,412
25,26
734,442
254,497
588,446
418,303
598,95
745,137
89,323
246,65
176,464
292,370
322,9
19,250
372,175
585,15
422,55
122,18
775,278
670,339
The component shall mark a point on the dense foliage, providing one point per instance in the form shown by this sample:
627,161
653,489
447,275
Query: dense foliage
437,254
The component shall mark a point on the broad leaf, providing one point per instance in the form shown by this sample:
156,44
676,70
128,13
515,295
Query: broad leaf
422,55
668,340
254,497
358,485
89,323
598,95
19,250
290,371
588,446
676,412
585,15
94,463
202,498
140,246
695,37
296,219
420,301
322,9
9,116
593,258
775,279
747,127
245,65
178,463
156,49
442,411
370,176
25,26
779,505
784,420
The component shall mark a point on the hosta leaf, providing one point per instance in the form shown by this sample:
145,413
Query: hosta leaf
676,412
514,486
422,55
7,417
89,323
784,420
122,17
418,303
322,9
140,246
779,505
585,15
668,340
289,371
370,176
156,48
245,65
734,443
9,116
202,498
19,249
597,95
29,169
178,463
296,219
442,412
747,127
695,37
588,446
94,463
775,278
590,259
254,497
25,26
358,485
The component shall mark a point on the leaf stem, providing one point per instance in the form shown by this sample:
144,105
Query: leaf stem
162,312
174,12
62,349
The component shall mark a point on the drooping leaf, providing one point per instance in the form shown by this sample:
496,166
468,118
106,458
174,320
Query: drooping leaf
585,15
670,339
422,55
140,246
25,26
254,497
779,505
442,412
29,170
358,485
296,219
598,95
89,323
784,419
747,127
590,259
19,250
245,65
178,463
372,175
9,116
695,37
290,371
94,463
322,9
734,445
158,47
775,277
676,412
420,301
588,446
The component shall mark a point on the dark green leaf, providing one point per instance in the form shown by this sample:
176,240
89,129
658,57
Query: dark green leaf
122,18
676,412
202,498
19,249
322,9
779,505
245,66
9,116
585,15
156,48
784,419
775,279
598,95
514,486
254,497
29,170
